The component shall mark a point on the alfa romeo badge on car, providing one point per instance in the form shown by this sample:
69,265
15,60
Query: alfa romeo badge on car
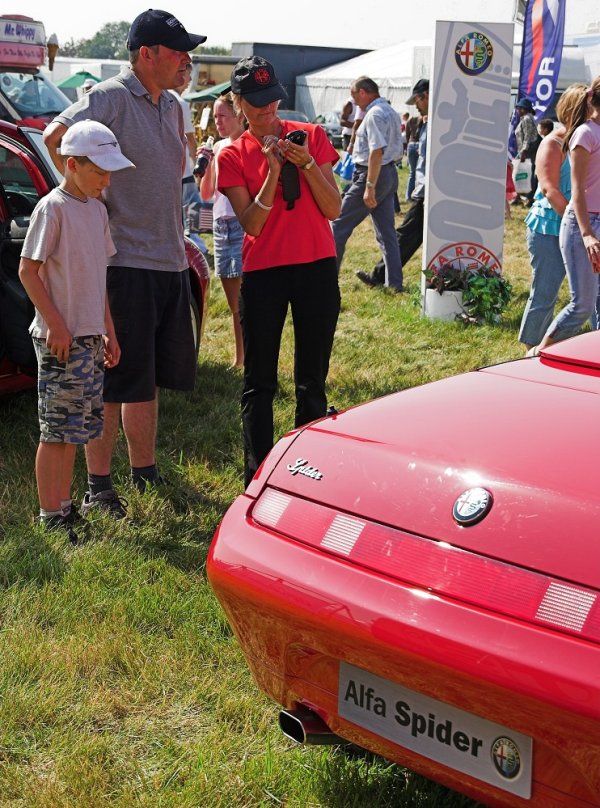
471,506
506,757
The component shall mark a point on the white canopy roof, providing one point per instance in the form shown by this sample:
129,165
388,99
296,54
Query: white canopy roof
397,68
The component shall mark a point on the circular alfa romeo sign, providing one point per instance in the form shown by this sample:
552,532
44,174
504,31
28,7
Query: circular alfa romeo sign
471,506
473,53
465,255
506,758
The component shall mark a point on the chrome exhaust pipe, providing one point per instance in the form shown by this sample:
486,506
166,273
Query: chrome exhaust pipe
305,726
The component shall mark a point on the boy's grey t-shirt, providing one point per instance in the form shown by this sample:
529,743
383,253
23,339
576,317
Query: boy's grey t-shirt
72,239
144,203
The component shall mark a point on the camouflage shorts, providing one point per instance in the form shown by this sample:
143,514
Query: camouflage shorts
70,404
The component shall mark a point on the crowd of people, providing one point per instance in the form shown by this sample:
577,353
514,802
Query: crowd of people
112,321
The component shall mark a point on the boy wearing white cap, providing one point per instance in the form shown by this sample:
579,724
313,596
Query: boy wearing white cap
148,277
63,270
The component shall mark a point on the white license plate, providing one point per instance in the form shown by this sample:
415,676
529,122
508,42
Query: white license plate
463,741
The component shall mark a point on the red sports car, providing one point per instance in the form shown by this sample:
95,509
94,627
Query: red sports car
26,174
420,575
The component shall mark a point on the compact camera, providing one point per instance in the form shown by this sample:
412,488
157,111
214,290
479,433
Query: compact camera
298,136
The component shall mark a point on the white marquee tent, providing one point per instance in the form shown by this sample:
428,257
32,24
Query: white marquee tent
397,67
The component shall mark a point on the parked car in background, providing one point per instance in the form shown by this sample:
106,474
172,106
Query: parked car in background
26,174
292,115
330,121
420,575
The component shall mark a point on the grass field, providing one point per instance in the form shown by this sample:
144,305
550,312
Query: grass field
120,681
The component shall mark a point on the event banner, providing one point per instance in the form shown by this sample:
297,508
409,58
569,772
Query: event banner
541,54
469,113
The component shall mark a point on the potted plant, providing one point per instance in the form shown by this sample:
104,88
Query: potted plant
471,295
444,289
486,295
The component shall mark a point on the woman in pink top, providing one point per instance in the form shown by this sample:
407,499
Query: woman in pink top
580,227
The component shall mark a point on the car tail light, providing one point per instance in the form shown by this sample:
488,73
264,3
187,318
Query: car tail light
436,566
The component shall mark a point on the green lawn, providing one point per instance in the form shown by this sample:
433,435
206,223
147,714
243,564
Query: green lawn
120,681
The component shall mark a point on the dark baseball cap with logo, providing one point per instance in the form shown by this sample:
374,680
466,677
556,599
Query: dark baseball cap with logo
254,79
156,27
422,86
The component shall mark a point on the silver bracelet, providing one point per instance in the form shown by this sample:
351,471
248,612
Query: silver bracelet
261,205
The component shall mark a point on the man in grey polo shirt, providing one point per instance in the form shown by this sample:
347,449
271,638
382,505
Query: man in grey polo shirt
147,281
377,147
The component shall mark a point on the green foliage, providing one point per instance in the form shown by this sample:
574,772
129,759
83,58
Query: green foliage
445,279
215,50
486,293
108,43
72,47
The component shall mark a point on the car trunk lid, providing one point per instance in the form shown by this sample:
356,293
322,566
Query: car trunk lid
403,461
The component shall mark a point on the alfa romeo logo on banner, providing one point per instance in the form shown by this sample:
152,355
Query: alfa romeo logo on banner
465,255
473,53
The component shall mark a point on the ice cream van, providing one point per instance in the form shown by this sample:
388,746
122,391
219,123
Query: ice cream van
27,96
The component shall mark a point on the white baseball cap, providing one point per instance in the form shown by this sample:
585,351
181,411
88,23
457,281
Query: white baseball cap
96,142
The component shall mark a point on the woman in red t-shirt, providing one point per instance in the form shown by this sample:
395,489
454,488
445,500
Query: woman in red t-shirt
284,195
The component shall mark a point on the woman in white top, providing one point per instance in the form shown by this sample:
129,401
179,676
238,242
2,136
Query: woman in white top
580,226
227,231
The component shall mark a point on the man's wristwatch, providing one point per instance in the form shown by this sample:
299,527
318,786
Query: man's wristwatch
370,184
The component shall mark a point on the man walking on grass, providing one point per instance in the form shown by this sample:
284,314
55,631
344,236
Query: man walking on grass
410,232
377,148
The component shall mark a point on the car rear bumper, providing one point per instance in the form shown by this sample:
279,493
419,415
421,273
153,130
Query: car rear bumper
298,613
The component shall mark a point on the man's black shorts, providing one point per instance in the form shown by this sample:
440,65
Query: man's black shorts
151,313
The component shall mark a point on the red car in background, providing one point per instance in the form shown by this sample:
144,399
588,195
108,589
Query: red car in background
420,575
26,174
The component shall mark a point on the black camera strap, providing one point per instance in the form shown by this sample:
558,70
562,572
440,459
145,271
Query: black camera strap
290,183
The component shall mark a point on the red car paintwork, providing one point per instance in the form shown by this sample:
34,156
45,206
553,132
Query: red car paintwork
35,123
527,432
16,140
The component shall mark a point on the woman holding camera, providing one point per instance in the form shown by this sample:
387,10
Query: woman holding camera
284,195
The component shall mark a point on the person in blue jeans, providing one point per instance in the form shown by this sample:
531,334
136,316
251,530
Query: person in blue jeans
580,226
413,130
543,223
409,233
228,233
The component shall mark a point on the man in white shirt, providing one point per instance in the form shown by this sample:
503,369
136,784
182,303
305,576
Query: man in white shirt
410,231
377,148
